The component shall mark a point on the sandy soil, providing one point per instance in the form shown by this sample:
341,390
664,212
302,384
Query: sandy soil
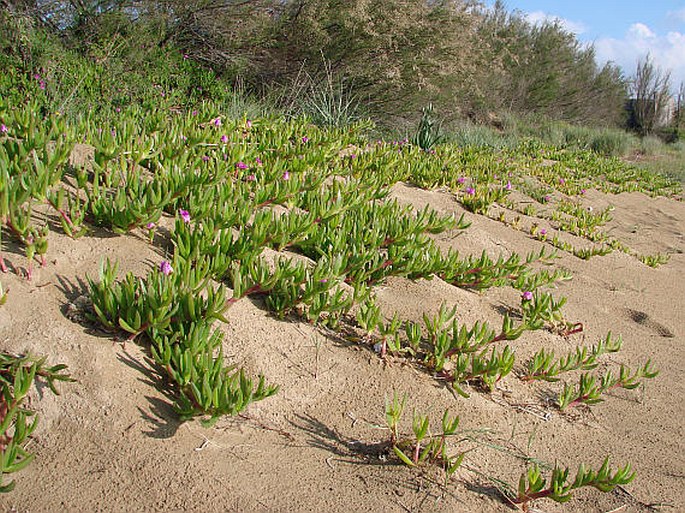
111,442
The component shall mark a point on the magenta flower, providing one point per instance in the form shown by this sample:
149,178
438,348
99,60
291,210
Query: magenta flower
165,268
251,178
3,129
286,175
194,113
461,179
527,296
508,186
258,161
117,110
583,191
185,56
470,191
543,232
241,165
150,226
305,139
547,198
205,158
41,84
224,138
248,124
217,122
185,215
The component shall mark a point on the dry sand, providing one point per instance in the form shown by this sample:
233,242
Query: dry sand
111,442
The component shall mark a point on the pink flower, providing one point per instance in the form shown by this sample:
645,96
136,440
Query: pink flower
224,138
508,186
118,109
3,129
165,268
286,175
41,84
527,296
251,178
217,122
205,158
194,113
305,139
547,198
258,161
562,181
470,191
185,56
150,226
241,165
248,124
583,191
543,231
185,215
461,179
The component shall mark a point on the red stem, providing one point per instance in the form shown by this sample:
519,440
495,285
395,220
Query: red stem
576,328
537,495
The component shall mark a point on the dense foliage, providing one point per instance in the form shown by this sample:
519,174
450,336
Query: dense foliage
386,59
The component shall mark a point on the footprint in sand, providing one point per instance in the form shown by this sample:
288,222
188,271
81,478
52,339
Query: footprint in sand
643,319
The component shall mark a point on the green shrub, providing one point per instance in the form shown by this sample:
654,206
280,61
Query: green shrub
651,145
610,143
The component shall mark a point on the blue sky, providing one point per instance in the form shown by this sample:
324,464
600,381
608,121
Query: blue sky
621,32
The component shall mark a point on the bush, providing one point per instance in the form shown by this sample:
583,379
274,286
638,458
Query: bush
610,143
650,145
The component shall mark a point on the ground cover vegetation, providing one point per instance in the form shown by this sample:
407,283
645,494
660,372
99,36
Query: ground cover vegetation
269,205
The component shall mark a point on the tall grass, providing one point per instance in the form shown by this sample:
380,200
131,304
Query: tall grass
667,159
325,99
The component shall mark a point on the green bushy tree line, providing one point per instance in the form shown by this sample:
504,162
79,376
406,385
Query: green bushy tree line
391,56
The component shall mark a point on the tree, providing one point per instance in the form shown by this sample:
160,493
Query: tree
651,96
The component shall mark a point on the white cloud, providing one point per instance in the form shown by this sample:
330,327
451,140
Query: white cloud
640,31
667,51
540,17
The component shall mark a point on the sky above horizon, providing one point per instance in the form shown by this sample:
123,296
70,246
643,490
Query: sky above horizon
621,31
